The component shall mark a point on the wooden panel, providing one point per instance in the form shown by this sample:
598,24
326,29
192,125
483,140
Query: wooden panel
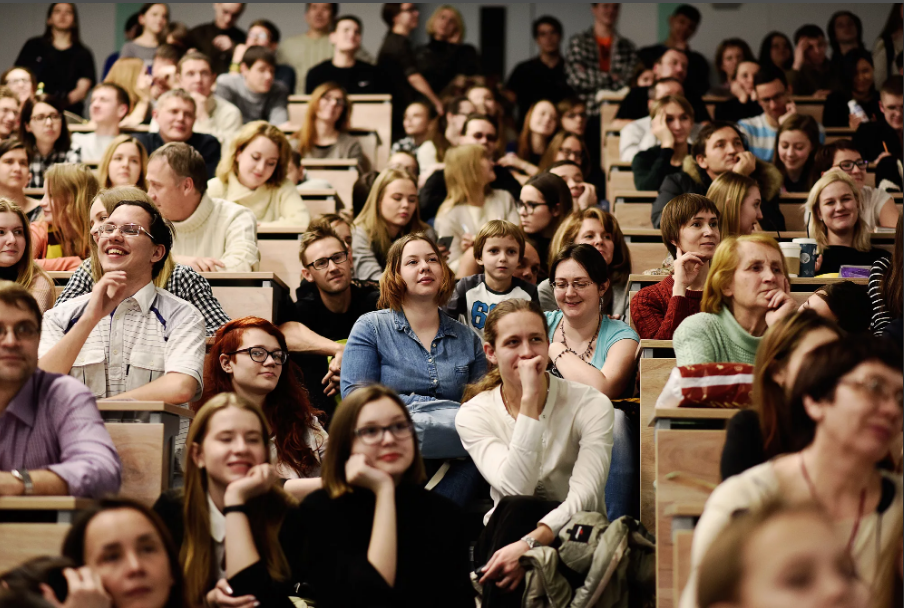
25,541
645,256
280,256
621,179
814,110
634,215
241,302
696,455
370,113
682,560
44,503
653,375
342,179
794,215
145,459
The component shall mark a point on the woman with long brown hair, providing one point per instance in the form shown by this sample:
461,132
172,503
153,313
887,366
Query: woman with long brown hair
125,163
237,531
16,262
885,286
540,124
324,133
249,357
61,237
154,21
130,74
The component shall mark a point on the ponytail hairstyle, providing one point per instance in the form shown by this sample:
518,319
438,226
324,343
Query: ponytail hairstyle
493,378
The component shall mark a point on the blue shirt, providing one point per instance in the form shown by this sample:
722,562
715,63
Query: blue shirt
611,331
383,348
761,136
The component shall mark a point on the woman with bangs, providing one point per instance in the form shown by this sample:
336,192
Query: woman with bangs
835,221
540,124
796,146
14,175
43,130
599,229
746,292
738,201
236,529
61,238
391,212
249,357
324,133
125,163
16,262
253,174
471,202
181,281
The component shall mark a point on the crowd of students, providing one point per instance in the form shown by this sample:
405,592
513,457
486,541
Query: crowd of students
463,331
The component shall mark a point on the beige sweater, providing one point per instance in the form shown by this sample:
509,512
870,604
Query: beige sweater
459,220
222,230
271,206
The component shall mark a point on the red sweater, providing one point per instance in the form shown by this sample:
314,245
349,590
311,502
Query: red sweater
657,313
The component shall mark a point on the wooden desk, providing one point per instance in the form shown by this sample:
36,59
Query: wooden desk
341,173
653,375
144,433
647,347
369,113
279,248
319,202
24,540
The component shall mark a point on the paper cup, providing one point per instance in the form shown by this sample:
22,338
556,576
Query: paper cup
791,251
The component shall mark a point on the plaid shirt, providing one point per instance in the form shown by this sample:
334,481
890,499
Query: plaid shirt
40,164
582,67
183,283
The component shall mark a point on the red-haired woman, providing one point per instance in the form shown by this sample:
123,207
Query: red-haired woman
249,357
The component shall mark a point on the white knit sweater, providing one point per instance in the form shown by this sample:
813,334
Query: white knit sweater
271,206
222,230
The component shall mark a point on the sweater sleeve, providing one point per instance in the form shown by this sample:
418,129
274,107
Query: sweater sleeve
241,253
692,342
650,168
279,110
651,321
367,267
292,210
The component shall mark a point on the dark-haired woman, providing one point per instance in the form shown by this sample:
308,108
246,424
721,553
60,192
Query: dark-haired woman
59,59
776,50
43,130
856,69
544,204
373,536
796,145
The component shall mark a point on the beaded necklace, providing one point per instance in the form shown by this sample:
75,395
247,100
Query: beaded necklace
590,345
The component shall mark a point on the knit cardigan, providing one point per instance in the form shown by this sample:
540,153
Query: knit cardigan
271,206
657,313
713,338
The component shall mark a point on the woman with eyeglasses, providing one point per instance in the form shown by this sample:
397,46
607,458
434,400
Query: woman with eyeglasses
21,82
373,536
566,146
845,417
249,357
876,206
181,281
61,237
324,133
391,212
43,130
544,204
238,532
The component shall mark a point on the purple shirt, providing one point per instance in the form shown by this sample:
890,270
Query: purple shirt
53,423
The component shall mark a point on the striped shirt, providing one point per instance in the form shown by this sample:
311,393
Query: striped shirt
761,136
881,316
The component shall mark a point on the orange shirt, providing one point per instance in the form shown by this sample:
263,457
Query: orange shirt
605,47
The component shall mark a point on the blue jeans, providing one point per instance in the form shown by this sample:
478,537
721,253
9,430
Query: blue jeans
622,484
461,482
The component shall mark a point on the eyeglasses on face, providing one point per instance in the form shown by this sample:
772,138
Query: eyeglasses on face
259,354
323,263
528,208
339,101
22,331
17,81
372,435
578,285
877,389
129,230
39,118
848,165
570,154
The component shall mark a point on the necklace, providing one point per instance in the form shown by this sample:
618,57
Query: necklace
812,488
590,345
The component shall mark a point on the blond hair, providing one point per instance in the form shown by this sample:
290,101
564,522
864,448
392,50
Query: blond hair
728,191
229,164
307,132
498,229
125,72
372,221
461,171
393,287
567,234
723,266
73,186
816,227
459,20
103,172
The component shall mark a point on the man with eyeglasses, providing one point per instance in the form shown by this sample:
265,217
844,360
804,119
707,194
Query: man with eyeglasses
355,76
9,113
330,303
54,440
128,338
481,130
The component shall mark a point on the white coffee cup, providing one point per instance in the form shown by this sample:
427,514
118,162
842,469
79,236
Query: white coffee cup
791,251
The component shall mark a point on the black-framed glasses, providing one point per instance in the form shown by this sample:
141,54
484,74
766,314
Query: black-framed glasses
130,230
22,331
848,165
39,118
372,435
259,354
528,208
323,263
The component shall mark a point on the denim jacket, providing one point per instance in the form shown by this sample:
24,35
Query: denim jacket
383,348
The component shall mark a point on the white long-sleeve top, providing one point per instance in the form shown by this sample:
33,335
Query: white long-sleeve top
271,206
563,456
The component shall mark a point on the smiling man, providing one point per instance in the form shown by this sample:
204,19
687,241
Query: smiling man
128,338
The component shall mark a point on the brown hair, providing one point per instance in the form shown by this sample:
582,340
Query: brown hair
74,188
728,191
498,229
392,285
229,164
816,228
524,149
809,127
678,212
103,172
63,142
493,378
890,285
306,133
461,173
724,264
342,435
678,99
125,72
185,162
314,234
555,144
28,272
13,294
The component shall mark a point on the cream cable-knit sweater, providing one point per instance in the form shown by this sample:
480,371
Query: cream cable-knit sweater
271,206
222,230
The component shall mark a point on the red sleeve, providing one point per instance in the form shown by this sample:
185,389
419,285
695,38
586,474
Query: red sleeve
679,309
656,313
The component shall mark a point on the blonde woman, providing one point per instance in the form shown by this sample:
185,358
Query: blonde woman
253,174
324,133
16,263
131,75
738,199
470,202
391,212
833,209
444,57
61,237
125,163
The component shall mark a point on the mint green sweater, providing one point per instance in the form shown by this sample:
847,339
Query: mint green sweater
713,338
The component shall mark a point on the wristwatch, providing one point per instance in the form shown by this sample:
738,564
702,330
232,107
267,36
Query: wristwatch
23,476
532,542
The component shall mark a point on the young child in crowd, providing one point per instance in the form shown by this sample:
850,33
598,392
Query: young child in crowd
498,248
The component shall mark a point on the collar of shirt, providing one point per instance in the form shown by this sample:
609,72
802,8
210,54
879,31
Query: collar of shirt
446,324
25,403
217,521
144,297
197,219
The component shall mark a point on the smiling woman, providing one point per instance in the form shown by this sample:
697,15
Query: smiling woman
15,264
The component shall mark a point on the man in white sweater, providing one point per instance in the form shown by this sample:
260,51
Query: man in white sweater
212,235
